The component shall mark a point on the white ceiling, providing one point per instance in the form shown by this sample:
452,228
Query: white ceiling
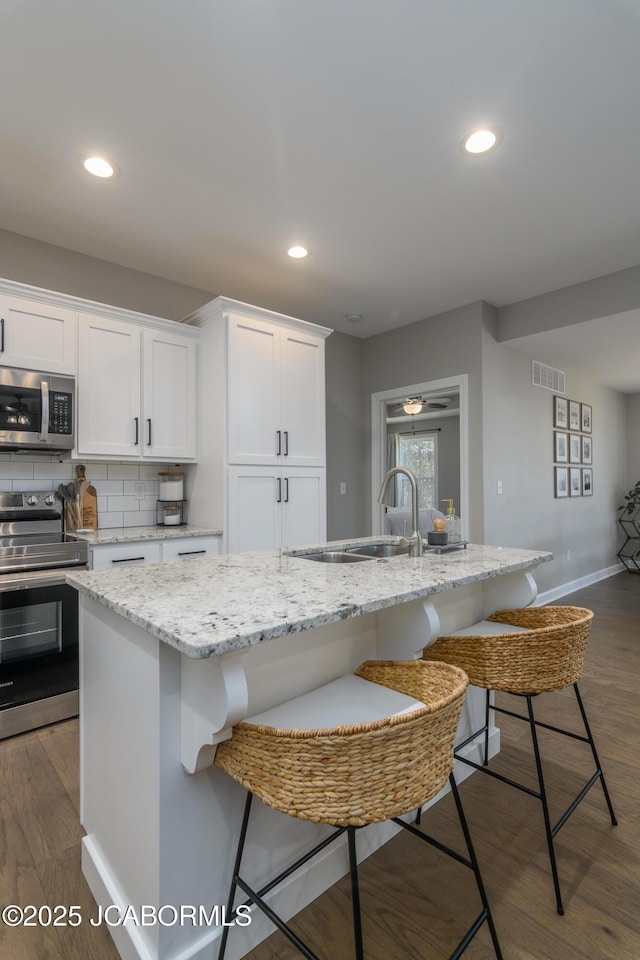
241,126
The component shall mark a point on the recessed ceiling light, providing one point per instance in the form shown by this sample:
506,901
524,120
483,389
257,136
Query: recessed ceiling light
480,141
353,317
99,167
298,253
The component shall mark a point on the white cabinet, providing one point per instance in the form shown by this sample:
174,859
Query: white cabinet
109,388
270,508
136,391
275,402
190,548
261,436
169,396
110,556
37,336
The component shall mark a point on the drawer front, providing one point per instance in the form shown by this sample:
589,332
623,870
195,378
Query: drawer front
190,548
113,556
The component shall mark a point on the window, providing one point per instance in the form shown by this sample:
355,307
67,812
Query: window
419,453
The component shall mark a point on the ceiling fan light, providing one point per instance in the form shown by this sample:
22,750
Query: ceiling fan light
412,407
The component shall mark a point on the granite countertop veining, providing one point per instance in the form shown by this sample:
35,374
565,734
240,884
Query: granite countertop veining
215,605
132,534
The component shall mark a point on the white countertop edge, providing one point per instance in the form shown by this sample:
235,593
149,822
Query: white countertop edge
133,534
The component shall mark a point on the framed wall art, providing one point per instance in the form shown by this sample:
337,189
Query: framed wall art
560,413
561,482
574,415
561,447
575,448
575,482
572,448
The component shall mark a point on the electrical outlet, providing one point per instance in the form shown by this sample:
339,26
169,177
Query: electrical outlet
138,491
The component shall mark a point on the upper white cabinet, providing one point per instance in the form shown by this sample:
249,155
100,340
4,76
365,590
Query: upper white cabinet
136,391
37,336
276,409
168,395
109,388
261,434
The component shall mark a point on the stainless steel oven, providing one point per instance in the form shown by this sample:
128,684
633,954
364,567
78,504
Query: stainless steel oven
38,613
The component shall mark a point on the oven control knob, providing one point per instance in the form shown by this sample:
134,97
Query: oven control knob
32,501
50,500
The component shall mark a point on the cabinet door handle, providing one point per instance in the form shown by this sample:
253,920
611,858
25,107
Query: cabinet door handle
279,497
189,553
149,432
286,443
128,560
286,489
2,335
136,420
278,443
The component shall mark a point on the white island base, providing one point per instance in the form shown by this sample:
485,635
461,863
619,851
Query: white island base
159,836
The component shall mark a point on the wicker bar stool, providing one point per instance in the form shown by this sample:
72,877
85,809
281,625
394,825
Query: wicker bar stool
388,751
526,652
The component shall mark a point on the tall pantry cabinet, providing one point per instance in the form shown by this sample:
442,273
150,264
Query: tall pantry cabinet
261,443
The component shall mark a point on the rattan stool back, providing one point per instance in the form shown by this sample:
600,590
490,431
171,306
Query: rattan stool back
547,656
355,775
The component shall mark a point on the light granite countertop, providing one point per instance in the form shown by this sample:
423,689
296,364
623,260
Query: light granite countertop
215,605
133,534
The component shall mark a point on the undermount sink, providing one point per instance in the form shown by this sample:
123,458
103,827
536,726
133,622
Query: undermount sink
334,556
381,550
368,551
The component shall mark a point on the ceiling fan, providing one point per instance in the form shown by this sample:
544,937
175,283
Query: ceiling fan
413,405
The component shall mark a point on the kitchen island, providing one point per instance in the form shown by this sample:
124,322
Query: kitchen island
173,654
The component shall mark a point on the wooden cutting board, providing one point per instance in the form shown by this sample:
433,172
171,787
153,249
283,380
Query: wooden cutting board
89,507
84,514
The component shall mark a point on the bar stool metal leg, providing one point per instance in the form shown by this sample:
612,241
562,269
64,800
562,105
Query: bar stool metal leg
236,871
355,893
471,862
545,808
596,759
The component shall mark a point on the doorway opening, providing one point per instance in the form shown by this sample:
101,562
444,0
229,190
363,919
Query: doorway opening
401,419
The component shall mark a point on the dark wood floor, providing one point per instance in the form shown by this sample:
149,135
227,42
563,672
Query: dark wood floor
416,901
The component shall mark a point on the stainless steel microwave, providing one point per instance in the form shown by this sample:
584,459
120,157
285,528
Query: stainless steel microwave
37,411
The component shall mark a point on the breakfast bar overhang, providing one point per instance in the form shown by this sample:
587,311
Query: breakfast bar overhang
174,654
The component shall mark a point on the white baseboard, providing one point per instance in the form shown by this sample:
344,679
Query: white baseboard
572,585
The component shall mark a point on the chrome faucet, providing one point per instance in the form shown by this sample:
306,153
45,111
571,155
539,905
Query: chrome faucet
415,540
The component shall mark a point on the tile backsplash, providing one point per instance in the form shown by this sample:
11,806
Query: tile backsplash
114,483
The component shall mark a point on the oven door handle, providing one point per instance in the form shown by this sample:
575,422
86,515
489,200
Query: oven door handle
44,426
36,578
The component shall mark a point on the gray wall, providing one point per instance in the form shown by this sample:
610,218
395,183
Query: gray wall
447,345
345,437
602,297
633,439
518,450
53,268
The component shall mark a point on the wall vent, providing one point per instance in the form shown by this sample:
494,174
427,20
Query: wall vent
548,377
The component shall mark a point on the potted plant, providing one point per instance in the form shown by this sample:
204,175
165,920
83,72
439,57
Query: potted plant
629,520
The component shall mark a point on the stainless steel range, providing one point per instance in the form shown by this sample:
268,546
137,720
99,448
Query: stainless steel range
38,613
